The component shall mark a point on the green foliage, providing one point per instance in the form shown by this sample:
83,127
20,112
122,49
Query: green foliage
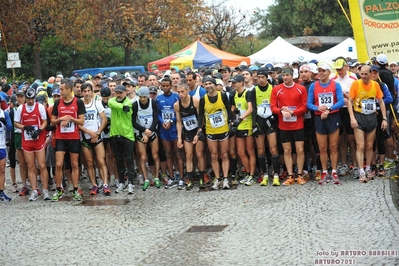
289,18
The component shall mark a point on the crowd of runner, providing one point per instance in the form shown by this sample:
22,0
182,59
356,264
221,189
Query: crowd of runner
225,126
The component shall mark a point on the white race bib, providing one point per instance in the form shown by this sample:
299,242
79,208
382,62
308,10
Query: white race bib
168,115
69,128
190,122
27,134
292,118
217,119
368,107
264,110
326,99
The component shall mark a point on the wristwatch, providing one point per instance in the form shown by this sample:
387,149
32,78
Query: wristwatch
329,109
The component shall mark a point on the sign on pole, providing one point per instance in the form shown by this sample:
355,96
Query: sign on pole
14,64
12,56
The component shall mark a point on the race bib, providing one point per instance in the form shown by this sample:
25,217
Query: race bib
368,107
69,128
292,118
190,122
145,120
90,118
168,115
217,119
326,99
264,110
28,134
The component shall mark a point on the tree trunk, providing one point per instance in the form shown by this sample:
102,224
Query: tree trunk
128,58
37,69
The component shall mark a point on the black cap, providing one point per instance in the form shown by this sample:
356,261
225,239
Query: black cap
120,88
153,89
237,78
105,92
30,93
209,79
263,71
40,99
241,67
226,68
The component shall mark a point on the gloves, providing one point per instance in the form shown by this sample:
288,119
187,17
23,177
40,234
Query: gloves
29,128
106,130
126,108
8,143
201,136
36,133
3,120
50,128
255,130
237,122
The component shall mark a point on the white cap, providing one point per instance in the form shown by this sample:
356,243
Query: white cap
324,66
382,59
393,63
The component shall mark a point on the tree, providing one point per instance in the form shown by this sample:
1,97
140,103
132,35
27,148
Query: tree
292,17
222,26
135,24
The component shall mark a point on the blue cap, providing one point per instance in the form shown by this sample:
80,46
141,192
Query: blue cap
375,68
56,92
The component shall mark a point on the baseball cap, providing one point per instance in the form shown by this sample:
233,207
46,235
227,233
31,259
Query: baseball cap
313,68
287,70
20,92
105,92
355,64
144,92
254,68
305,67
40,99
219,82
237,78
339,63
224,68
382,59
30,93
326,66
241,67
56,92
128,83
262,71
375,68
120,88
153,89
393,63
209,79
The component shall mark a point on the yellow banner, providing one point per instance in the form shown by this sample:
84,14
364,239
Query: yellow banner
376,28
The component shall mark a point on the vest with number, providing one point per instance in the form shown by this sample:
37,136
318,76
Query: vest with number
92,119
215,116
242,106
365,101
32,119
325,95
263,101
70,131
144,116
189,116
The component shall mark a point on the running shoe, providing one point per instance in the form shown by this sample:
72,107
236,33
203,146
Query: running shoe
306,176
215,185
46,195
33,195
157,182
244,180
56,196
140,178
265,180
323,179
130,188
362,177
146,185
283,174
189,185
343,170
335,179
119,188
24,191
226,183
290,180
76,195
250,181
181,185
276,181
381,171
94,190
15,188
234,180
356,173
206,179
106,190
171,184
300,180
370,175
317,175
389,164
4,197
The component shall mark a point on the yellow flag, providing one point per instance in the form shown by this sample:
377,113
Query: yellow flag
376,28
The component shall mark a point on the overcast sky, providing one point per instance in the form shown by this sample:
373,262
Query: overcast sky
249,5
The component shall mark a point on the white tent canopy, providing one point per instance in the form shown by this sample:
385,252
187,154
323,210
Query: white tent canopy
347,48
279,51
